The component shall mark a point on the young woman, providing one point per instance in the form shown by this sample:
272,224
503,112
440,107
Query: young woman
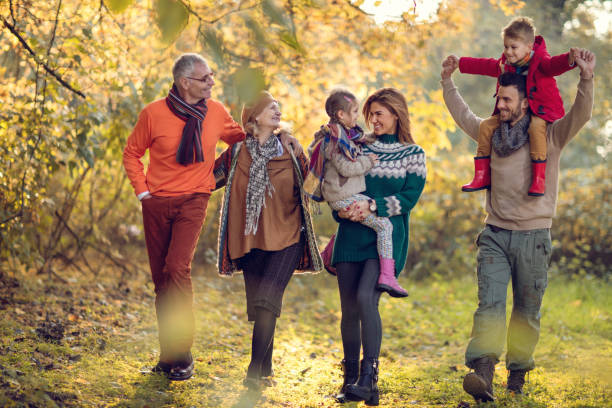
393,186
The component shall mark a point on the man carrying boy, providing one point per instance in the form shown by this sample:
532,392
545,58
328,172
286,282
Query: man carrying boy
515,243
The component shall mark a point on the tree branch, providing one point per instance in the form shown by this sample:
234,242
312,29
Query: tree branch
222,16
350,3
55,23
25,45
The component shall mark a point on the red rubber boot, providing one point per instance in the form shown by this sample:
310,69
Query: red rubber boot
482,175
538,178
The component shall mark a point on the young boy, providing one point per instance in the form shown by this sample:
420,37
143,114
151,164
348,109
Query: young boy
525,54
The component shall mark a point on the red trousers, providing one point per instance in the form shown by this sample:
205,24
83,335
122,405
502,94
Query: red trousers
172,227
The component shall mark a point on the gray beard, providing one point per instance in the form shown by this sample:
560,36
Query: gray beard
506,140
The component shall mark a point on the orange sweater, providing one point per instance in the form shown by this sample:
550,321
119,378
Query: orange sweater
160,131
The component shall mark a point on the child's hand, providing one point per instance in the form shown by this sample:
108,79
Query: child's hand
574,53
373,157
449,65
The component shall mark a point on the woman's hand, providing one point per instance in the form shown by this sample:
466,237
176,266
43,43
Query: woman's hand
290,142
357,211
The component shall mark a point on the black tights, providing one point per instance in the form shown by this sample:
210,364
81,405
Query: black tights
359,302
263,343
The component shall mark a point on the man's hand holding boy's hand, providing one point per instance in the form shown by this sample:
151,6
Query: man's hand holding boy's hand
585,60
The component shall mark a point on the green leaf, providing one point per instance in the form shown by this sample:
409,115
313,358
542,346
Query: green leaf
82,137
248,82
172,17
86,154
291,40
259,33
117,6
275,13
213,42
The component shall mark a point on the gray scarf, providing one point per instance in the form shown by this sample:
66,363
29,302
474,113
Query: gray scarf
508,139
259,179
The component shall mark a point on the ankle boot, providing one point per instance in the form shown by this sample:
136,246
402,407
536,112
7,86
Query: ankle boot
387,281
482,175
366,388
538,178
351,374
479,384
516,380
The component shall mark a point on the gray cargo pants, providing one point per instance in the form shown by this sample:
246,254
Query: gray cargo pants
524,257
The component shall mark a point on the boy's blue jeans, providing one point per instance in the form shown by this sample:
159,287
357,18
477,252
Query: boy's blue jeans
522,256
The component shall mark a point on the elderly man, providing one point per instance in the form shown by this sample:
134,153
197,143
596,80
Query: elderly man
515,243
181,132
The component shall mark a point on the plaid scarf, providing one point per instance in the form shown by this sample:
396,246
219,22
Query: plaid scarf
522,66
193,115
259,179
336,134
506,139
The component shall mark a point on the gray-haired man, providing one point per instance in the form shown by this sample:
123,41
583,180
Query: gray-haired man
180,132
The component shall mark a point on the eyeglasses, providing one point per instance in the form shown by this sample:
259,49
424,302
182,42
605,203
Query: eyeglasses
205,78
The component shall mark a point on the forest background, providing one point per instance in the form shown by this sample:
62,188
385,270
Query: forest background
75,74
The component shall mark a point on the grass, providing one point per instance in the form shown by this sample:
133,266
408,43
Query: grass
110,335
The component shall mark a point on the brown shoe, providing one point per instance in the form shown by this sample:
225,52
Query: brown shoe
162,368
182,370
516,380
479,384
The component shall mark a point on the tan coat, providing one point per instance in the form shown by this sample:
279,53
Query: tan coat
280,221
342,177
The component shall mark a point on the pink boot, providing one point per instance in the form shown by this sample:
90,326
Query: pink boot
387,281
326,254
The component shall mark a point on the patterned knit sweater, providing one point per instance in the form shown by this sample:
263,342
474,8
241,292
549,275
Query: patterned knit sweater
396,183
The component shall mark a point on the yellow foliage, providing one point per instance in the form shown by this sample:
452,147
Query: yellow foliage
509,7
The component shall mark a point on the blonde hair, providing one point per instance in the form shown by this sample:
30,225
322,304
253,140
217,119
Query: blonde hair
394,101
520,28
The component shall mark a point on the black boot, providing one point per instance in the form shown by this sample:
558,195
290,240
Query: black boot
350,368
516,380
366,388
479,384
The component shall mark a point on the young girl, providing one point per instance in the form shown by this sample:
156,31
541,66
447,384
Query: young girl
526,54
340,167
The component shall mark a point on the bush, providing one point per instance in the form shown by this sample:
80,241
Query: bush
581,230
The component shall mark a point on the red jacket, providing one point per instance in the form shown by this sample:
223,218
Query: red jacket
542,92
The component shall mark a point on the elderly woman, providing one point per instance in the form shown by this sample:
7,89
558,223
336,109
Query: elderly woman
265,227
394,186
